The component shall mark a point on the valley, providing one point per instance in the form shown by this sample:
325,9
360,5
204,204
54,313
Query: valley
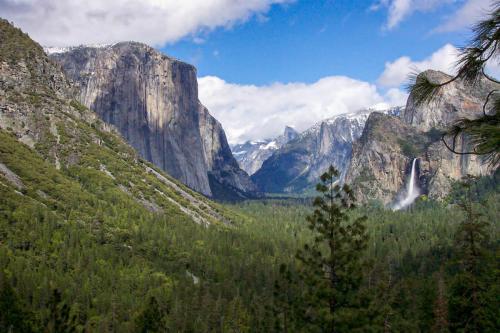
126,206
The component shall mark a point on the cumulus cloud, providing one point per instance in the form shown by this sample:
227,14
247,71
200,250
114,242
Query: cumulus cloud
466,16
156,22
396,72
250,112
398,10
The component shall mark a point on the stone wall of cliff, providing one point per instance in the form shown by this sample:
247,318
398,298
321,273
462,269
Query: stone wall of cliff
382,158
297,165
226,178
153,101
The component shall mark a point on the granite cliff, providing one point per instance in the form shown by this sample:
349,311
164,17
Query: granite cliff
297,165
227,181
153,101
60,155
383,156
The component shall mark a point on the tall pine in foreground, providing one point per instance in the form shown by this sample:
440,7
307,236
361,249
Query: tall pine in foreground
474,303
331,264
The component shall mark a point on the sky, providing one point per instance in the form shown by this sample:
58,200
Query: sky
265,64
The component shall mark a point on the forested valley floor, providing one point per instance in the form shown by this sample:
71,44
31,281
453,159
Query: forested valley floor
109,266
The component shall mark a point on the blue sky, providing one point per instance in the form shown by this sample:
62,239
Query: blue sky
265,64
309,39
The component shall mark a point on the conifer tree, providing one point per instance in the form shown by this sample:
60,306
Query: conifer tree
441,305
473,307
331,264
285,299
484,130
59,319
12,316
151,319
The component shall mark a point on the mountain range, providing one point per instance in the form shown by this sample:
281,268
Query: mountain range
149,101
383,156
251,154
374,149
296,166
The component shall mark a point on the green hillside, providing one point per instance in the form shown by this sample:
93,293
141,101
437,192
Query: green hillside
94,239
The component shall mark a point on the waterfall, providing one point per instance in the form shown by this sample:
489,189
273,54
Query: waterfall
412,191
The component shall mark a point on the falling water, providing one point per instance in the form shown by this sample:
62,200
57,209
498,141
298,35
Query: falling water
412,191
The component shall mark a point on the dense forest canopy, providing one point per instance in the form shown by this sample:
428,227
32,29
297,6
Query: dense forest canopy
107,243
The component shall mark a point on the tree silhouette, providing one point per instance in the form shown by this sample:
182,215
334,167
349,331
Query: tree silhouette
484,131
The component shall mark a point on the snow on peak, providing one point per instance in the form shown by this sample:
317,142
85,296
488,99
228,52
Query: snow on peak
56,49
270,145
360,117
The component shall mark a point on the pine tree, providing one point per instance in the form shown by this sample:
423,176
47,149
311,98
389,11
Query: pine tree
441,305
285,299
12,316
151,319
332,263
472,307
484,130
59,319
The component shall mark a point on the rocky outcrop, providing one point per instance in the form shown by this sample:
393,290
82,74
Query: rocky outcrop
37,109
251,154
226,179
297,166
153,101
383,156
454,101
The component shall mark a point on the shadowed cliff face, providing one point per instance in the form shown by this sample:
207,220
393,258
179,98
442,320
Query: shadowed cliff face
153,101
382,157
74,158
297,165
227,180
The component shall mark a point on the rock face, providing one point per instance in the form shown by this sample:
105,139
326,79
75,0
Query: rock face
298,164
251,154
383,156
227,181
153,101
37,110
454,101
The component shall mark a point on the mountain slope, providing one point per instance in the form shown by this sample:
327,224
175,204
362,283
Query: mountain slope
382,158
37,109
153,101
298,164
90,234
251,154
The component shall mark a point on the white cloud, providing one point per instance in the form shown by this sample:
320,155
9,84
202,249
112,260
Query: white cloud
466,16
396,97
396,73
156,22
254,112
250,112
398,10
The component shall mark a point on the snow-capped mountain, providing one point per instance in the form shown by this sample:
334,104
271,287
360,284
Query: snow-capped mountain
298,164
57,49
251,154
